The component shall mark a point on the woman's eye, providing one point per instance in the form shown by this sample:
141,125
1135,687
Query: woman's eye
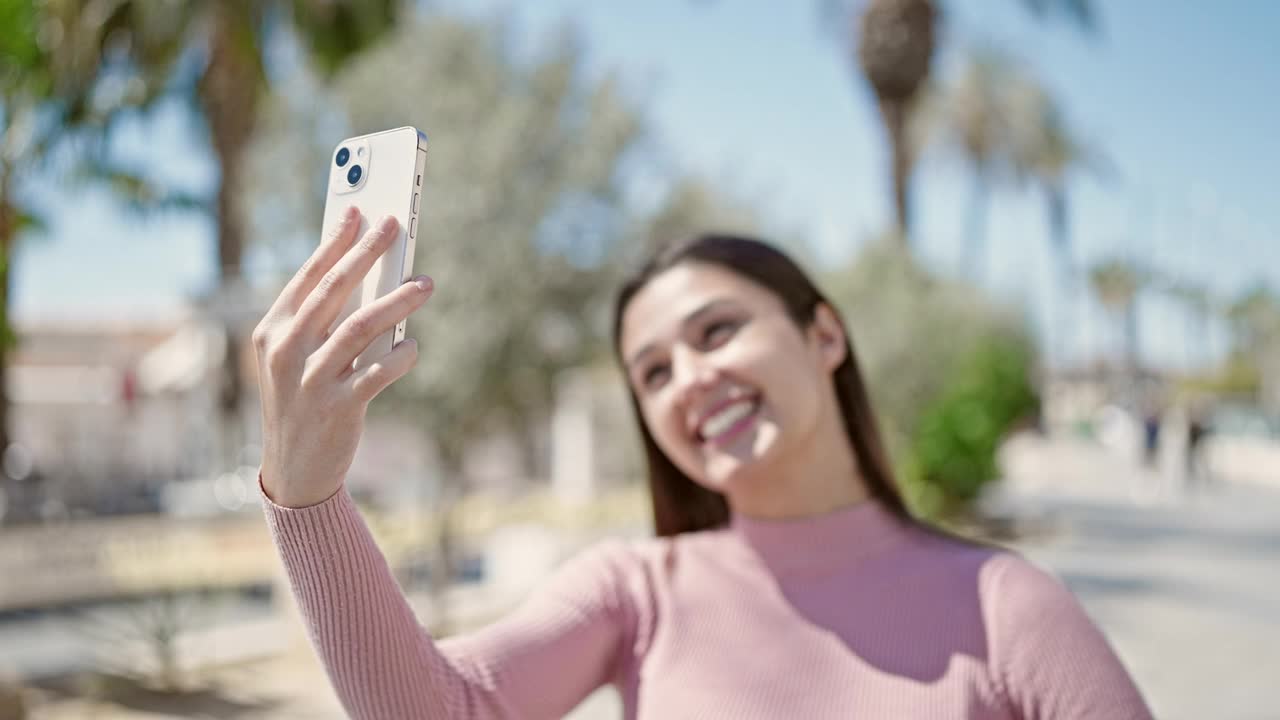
718,332
654,376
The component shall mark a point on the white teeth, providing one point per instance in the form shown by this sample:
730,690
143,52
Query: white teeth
724,419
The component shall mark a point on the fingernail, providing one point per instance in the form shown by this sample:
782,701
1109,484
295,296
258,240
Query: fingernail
351,212
389,223
423,282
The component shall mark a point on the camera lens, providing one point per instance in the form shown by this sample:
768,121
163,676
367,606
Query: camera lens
343,156
353,175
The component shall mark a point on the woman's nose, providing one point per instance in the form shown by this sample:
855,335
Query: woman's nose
691,373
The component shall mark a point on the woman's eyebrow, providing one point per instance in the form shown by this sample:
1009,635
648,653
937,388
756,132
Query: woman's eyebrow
684,322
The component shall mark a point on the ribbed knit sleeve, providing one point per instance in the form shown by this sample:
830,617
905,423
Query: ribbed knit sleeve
540,661
1048,657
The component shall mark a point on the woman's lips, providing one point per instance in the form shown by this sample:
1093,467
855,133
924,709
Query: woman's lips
728,420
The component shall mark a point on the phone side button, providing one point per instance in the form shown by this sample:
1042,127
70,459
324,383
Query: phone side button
414,208
413,226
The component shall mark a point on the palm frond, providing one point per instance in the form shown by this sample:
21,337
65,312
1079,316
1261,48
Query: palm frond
139,193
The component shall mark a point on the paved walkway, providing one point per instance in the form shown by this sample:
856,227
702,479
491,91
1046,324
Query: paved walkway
1185,584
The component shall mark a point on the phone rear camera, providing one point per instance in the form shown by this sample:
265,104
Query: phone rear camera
343,156
353,175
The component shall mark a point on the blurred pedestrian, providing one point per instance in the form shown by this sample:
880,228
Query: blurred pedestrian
787,578
1151,436
1197,466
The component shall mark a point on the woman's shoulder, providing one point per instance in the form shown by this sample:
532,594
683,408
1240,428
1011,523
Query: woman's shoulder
1003,572
1019,587
1018,599
1026,606
1005,578
1044,648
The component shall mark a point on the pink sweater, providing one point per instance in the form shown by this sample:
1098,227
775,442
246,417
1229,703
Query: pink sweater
846,615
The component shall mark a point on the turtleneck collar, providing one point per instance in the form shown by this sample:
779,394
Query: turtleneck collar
820,544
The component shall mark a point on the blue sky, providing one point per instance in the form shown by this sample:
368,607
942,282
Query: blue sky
1182,95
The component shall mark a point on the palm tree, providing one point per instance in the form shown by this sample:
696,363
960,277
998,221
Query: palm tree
1197,305
1047,153
895,46
1255,322
1254,317
1116,284
896,40
1008,129
230,39
975,115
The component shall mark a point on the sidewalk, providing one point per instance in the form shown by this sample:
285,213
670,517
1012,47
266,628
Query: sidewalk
1186,585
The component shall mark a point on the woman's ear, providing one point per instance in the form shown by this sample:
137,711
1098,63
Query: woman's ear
827,334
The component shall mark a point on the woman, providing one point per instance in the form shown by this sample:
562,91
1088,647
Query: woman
787,579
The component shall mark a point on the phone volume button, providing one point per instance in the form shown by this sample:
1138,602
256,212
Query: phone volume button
413,226
414,208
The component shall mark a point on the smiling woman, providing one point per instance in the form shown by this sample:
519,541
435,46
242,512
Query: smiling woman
743,369
787,578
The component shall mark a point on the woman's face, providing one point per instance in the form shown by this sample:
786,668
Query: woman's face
730,388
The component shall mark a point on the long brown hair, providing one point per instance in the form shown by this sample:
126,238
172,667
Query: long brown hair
681,505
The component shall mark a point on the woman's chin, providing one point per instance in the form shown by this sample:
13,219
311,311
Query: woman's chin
737,464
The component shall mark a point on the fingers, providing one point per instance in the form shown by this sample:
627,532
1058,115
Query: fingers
367,383
331,249
326,299
357,332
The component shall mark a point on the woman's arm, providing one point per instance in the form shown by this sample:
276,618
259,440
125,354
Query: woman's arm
315,396
539,662
1047,656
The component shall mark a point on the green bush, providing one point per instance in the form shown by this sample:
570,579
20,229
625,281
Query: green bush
949,371
953,453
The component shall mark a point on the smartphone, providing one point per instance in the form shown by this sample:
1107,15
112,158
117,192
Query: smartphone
381,174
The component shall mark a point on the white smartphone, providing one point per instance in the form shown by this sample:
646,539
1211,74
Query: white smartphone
381,174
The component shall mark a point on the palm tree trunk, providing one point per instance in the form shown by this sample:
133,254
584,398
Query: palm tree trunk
1190,338
8,233
894,114
975,261
443,544
1063,332
229,99
7,230
1131,338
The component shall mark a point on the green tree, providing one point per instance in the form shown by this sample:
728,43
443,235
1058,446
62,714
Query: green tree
1255,323
1255,318
23,90
213,54
59,97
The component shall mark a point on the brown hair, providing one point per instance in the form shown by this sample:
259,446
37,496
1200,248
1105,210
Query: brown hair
682,505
